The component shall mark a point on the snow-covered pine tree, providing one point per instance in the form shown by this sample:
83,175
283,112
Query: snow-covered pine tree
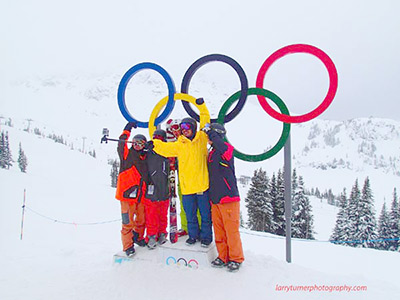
5,153
9,160
2,153
277,192
342,229
367,222
259,208
383,229
394,218
353,214
22,160
114,172
302,218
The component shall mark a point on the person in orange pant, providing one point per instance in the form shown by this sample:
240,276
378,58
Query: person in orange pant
131,187
225,198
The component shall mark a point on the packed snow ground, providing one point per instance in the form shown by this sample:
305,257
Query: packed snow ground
73,261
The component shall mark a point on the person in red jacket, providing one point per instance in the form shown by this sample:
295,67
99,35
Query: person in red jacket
131,188
224,195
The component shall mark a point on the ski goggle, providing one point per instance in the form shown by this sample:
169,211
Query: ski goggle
186,126
174,127
220,131
138,143
158,137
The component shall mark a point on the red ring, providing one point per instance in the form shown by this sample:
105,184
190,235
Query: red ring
298,48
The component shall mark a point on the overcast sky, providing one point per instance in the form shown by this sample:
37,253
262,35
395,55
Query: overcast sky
362,38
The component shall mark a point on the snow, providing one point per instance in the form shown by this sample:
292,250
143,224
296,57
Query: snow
73,261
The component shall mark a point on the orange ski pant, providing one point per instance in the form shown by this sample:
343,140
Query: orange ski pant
226,221
156,217
133,219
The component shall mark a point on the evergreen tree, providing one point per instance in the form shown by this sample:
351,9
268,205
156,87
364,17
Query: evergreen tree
394,217
276,192
366,222
383,229
114,172
2,151
5,153
353,213
342,230
302,218
259,208
22,160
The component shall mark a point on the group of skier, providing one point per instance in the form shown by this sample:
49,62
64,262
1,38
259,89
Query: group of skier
207,183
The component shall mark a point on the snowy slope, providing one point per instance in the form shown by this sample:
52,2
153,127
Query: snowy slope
73,261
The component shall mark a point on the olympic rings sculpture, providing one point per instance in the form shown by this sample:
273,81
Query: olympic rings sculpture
240,96
181,262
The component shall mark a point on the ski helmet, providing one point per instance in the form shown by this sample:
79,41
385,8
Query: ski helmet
218,128
171,127
140,137
160,134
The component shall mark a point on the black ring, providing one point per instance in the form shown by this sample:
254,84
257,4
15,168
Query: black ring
204,60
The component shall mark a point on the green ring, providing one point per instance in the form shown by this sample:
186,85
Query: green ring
286,126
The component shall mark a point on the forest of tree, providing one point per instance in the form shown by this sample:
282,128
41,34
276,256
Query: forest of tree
356,225
265,205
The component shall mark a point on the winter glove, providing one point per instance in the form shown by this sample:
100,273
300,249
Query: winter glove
149,145
123,137
129,126
206,128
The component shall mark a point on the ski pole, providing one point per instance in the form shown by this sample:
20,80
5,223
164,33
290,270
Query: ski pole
106,139
23,214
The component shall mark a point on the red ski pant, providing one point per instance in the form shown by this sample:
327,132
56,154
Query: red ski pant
133,219
156,217
226,221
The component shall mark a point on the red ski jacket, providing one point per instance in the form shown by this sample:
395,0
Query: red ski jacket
133,173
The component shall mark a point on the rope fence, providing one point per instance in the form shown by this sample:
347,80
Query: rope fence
241,231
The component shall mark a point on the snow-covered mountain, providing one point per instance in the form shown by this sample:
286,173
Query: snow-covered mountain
329,154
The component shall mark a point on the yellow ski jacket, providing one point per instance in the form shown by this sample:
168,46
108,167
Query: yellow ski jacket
192,158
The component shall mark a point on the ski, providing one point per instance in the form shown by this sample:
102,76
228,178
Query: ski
173,227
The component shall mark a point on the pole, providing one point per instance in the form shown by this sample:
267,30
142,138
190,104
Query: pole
288,197
23,214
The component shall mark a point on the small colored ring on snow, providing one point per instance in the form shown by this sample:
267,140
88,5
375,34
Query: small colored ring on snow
122,88
170,258
181,260
299,48
193,264
179,96
221,58
285,131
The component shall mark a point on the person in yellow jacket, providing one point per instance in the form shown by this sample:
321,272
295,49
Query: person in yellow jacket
191,151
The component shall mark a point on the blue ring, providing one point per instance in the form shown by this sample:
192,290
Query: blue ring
124,82
167,261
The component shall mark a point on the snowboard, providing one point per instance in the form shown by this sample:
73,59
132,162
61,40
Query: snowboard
173,226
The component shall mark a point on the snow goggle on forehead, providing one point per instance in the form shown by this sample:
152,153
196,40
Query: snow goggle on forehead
186,126
158,137
220,131
174,127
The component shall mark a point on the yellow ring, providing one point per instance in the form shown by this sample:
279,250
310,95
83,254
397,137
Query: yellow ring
178,96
